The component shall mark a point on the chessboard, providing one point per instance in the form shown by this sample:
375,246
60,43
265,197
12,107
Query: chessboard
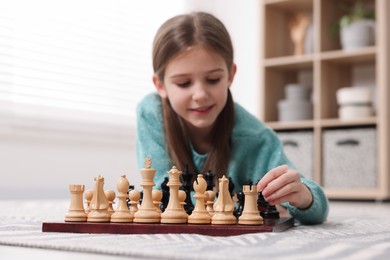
269,225
169,210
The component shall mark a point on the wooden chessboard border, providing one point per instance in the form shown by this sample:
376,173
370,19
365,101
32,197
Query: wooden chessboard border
270,225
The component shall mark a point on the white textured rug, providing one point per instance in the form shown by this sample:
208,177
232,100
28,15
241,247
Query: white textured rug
353,231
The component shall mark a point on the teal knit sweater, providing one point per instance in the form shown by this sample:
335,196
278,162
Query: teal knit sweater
255,149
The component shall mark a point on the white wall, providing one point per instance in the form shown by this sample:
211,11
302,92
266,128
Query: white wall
39,163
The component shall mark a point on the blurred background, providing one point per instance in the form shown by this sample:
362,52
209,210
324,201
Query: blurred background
71,74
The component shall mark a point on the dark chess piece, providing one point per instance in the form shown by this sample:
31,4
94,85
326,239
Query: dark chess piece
141,194
131,187
241,202
187,187
165,194
209,177
231,187
267,211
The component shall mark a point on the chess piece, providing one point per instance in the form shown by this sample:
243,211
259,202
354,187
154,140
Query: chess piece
131,187
224,206
76,210
134,196
147,212
165,194
209,176
174,213
241,202
250,215
110,195
182,198
187,178
267,211
88,197
199,214
210,202
157,196
231,187
122,213
98,211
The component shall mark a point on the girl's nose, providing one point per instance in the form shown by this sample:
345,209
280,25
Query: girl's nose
200,92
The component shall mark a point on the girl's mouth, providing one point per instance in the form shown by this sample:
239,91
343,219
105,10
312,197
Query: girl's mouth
202,110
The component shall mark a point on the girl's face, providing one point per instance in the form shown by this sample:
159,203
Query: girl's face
196,83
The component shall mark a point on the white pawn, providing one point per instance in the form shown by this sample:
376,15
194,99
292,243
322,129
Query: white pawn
110,195
210,201
250,215
88,197
157,196
122,213
134,196
199,214
76,210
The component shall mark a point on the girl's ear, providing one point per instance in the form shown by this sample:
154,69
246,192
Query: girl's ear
159,86
233,71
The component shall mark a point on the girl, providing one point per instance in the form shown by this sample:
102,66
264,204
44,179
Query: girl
192,119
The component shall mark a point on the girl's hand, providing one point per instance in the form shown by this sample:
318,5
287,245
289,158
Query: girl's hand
283,184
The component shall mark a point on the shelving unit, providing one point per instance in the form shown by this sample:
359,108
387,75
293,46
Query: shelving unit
326,69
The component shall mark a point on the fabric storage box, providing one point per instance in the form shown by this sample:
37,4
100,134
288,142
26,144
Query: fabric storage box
349,158
298,146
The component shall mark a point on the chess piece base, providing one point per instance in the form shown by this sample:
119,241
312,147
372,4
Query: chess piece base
174,216
121,217
75,216
146,216
250,218
99,216
223,218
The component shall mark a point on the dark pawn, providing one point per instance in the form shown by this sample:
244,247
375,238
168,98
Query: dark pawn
187,187
231,187
209,177
241,202
165,194
267,211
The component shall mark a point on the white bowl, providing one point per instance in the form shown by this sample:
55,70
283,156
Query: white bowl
355,112
354,96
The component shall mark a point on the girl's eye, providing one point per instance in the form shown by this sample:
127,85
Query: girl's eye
213,81
184,84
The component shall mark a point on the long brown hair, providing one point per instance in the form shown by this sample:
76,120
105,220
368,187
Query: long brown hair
173,37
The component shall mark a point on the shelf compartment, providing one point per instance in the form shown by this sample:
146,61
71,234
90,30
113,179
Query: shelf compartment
330,15
344,71
279,13
276,79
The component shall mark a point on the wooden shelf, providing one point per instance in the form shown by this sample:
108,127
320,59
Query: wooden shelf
326,69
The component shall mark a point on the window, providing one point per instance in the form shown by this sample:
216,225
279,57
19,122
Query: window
76,65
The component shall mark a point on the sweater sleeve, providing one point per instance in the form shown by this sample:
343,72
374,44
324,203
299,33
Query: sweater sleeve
317,212
150,137
257,149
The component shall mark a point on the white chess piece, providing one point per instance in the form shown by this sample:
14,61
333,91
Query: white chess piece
250,215
122,212
76,210
98,211
147,211
174,213
199,215
224,206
